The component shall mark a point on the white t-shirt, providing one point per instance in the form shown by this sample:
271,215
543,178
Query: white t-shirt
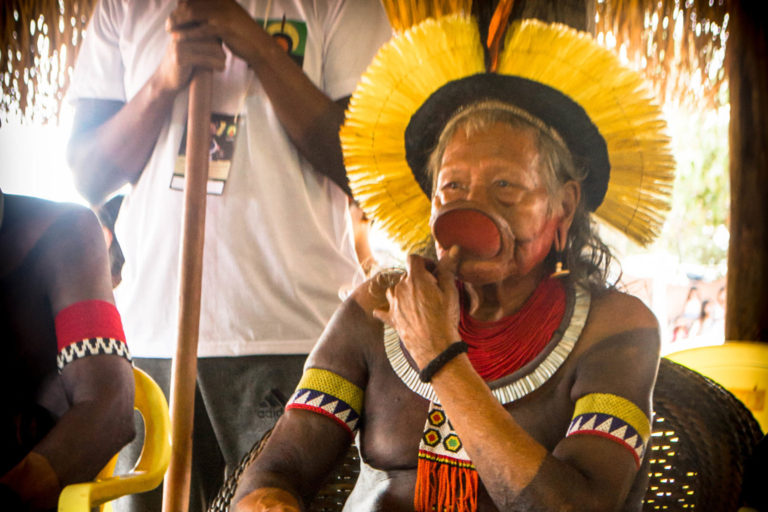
278,248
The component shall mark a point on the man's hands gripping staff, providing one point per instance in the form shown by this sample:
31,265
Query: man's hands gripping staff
112,140
424,307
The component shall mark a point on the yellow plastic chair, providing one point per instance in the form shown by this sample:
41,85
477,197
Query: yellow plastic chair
149,469
739,366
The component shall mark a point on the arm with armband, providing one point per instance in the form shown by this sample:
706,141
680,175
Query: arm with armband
92,396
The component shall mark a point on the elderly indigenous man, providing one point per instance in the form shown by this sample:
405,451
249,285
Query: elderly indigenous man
66,369
488,380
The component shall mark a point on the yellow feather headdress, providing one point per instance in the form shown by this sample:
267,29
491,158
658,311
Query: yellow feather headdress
567,69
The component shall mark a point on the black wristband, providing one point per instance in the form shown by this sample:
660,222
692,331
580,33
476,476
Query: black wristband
434,366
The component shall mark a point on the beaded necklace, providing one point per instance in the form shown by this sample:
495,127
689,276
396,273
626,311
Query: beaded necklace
519,383
503,346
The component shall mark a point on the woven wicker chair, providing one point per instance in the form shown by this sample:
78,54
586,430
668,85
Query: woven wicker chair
702,437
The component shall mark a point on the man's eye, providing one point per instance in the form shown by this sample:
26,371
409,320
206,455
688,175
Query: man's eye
452,185
508,192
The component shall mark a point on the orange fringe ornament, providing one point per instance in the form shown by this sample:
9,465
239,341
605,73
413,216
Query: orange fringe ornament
446,487
446,479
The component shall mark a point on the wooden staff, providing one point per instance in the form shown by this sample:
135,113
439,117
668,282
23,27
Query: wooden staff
184,369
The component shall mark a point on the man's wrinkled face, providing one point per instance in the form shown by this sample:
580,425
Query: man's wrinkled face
496,171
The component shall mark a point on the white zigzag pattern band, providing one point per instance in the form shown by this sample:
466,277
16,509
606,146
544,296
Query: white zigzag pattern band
611,427
91,347
326,405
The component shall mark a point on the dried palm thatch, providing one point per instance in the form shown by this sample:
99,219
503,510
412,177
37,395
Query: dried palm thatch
39,45
403,14
679,45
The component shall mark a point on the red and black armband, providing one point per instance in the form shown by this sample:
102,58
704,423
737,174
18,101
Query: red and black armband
89,328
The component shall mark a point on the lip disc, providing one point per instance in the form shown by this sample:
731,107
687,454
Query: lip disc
472,230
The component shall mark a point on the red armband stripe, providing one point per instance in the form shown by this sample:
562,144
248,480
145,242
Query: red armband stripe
322,412
88,319
609,427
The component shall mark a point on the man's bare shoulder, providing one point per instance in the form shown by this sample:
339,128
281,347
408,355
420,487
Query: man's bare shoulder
352,339
613,312
372,294
619,349
27,220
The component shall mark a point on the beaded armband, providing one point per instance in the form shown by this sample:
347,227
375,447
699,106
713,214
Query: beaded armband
612,417
324,392
89,328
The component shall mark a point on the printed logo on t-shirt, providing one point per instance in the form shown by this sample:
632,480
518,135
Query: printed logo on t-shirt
291,35
223,133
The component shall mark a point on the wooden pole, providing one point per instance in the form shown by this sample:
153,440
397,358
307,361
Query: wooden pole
184,369
747,58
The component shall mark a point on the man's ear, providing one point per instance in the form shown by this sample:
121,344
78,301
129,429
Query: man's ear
569,201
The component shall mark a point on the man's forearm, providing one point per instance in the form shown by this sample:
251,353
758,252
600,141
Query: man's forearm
516,470
107,429
309,116
112,143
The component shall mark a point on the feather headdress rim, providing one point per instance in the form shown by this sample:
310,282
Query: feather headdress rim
549,105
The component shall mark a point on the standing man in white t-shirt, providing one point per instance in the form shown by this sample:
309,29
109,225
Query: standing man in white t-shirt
278,243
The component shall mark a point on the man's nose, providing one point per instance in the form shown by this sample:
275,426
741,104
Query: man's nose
477,192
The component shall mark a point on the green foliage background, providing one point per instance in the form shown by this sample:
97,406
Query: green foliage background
695,234
696,227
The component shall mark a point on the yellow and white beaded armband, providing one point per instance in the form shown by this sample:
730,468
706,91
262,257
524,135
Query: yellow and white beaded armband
612,417
326,393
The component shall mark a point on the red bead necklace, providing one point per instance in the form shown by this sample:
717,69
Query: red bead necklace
503,346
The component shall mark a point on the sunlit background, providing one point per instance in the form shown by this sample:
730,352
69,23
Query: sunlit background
32,160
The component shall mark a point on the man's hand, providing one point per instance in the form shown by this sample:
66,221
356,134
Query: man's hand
190,46
424,307
224,20
268,499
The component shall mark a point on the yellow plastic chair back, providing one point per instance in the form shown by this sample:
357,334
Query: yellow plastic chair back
149,469
739,366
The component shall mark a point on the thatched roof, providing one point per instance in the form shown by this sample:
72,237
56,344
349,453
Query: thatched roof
39,40
679,45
